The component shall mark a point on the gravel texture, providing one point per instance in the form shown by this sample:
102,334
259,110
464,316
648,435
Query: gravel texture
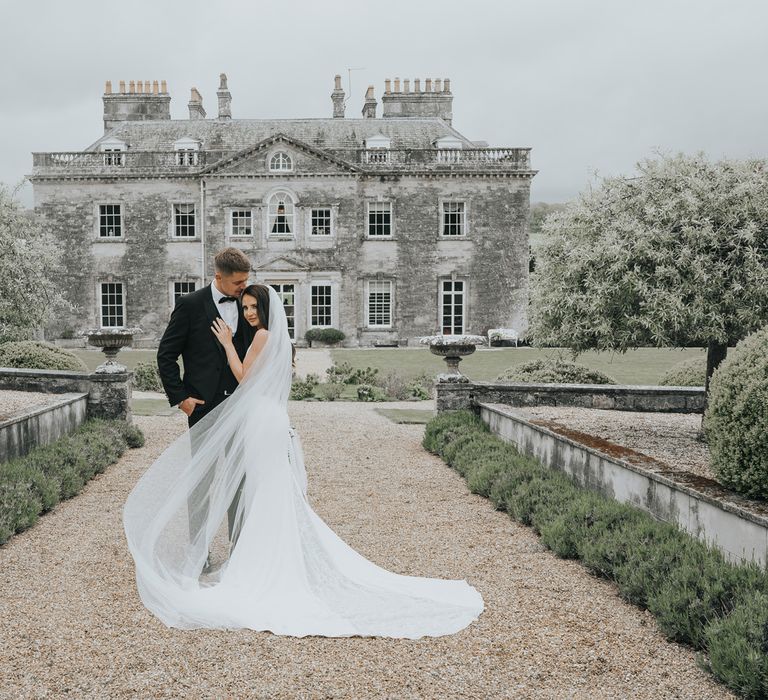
312,361
14,402
671,438
72,625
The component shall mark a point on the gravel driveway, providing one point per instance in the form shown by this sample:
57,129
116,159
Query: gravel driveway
71,624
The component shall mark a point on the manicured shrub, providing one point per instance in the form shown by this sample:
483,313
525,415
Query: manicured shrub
146,377
697,596
736,420
702,587
36,482
440,429
134,438
33,354
304,388
330,391
691,372
737,646
554,371
325,335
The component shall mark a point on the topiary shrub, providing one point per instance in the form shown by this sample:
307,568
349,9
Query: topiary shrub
34,354
554,371
146,377
691,372
331,336
736,420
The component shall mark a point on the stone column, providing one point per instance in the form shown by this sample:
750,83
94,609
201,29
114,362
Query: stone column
110,395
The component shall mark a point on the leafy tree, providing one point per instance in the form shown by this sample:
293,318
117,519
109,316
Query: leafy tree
28,264
676,256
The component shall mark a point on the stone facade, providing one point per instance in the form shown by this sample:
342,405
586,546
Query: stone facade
140,214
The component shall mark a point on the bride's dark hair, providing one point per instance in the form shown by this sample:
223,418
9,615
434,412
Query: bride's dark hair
260,292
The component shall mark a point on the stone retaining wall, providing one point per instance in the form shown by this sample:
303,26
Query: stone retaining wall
109,394
41,426
453,396
736,525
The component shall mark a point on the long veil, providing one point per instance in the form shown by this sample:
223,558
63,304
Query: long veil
222,534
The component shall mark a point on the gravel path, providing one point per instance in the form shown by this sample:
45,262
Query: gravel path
669,437
71,624
312,361
15,402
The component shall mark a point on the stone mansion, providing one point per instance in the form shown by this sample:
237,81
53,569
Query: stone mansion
386,227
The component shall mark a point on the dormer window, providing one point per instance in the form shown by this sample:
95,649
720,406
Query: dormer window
280,162
448,149
186,151
113,150
377,149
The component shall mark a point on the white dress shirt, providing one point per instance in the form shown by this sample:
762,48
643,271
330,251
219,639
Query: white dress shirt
227,310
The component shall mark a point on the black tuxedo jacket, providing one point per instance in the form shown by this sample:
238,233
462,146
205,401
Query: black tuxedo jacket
189,334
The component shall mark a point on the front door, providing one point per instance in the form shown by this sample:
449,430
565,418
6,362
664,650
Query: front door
287,293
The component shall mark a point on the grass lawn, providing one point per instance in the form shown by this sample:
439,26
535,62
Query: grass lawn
130,358
642,366
407,415
152,407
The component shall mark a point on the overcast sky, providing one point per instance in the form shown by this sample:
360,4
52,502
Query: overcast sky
590,86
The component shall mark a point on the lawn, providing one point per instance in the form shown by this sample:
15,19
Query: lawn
642,366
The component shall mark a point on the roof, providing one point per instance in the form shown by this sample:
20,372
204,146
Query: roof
237,134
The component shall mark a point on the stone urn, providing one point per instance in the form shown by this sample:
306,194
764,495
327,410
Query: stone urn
452,348
111,341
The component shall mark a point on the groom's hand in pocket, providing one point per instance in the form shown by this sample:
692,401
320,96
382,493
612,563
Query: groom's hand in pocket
189,404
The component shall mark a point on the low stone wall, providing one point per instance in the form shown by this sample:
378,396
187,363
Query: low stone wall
109,395
737,526
41,426
453,396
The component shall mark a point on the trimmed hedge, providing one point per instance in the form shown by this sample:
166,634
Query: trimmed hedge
33,354
34,484
146,377
691,372
736,420
697,597
554,371
325,335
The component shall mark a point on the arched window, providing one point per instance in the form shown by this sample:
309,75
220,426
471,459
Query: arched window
280,162
281,214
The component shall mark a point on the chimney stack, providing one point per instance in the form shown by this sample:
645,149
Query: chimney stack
337,97
195,105
140,102
369,108
225,98
436,101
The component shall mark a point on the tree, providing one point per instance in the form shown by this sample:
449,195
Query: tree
676,256
28,264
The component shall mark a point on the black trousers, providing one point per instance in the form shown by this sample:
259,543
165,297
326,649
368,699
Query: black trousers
196,518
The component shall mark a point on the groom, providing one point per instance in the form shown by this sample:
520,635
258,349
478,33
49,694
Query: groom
207,379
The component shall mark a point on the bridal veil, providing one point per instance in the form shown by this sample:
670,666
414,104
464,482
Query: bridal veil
287,571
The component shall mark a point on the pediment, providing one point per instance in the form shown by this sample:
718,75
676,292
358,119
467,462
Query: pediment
255,159
282,263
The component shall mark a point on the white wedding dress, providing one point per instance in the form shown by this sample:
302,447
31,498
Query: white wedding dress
288,572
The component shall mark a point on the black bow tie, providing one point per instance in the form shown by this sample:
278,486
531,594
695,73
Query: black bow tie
225,299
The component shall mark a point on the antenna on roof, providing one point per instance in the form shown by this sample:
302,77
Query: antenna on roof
349,84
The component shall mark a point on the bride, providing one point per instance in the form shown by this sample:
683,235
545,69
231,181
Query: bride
285,570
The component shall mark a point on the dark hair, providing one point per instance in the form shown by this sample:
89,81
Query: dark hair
260,292
231,260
